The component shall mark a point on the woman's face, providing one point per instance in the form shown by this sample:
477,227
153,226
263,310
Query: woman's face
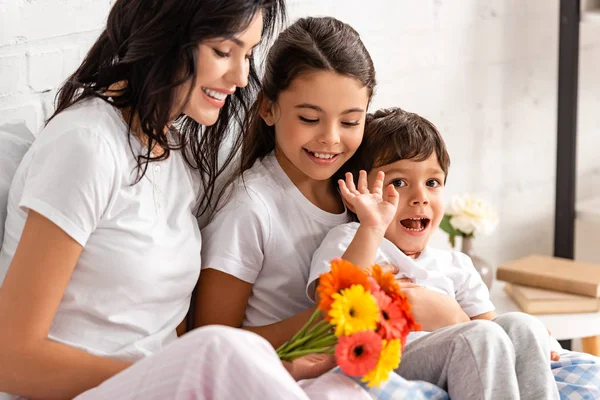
222,66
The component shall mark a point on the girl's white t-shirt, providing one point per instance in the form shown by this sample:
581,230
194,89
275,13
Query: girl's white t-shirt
266,234
132,284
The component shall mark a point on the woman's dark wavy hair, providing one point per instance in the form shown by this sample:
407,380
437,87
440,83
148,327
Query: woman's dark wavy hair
149,44
310,44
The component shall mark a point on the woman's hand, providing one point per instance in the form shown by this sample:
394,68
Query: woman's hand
375,208
310,366
432,310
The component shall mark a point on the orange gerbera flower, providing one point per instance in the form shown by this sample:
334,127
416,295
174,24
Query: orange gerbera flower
387,282
343,274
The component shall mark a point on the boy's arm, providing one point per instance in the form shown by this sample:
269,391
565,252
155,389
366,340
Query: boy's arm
471,292
375,210
490,315
363,247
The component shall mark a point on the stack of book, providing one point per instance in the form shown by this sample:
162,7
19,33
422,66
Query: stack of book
551,285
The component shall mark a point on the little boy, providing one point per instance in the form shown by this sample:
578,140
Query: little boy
407,166
410,152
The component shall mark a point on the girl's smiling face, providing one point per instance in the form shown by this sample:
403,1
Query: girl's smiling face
319,123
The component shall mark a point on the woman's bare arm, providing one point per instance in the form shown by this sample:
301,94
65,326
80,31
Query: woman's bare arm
31,365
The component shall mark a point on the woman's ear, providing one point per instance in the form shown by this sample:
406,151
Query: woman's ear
267,110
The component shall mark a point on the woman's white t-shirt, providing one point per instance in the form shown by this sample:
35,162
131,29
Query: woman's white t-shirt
132,284
266,235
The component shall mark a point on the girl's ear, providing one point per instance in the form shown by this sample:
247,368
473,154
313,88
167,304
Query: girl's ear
267,110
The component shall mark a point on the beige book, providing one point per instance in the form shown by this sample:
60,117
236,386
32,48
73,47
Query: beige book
553,273
541,301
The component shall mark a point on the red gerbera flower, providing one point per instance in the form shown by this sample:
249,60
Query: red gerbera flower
392,320
358,353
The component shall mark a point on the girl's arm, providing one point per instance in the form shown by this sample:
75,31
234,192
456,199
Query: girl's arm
31,365
222,299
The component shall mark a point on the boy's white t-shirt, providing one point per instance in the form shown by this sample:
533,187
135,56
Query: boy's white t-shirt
132,284
447,272
266,235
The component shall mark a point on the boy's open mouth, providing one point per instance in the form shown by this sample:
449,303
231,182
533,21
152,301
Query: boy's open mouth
415,224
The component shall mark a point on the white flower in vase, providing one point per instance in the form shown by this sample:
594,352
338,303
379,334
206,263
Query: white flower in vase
469,216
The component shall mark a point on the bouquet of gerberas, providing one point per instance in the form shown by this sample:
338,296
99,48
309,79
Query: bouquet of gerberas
367,320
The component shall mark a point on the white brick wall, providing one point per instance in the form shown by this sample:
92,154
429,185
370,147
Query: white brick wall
41,43
485,72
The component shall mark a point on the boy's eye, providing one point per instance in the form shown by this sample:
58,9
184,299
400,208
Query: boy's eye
308,120
221,53
433,183
398,183
354,123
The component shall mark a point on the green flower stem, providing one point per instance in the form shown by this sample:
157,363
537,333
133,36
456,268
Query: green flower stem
319,330
300,342
299,353
302,331
327,340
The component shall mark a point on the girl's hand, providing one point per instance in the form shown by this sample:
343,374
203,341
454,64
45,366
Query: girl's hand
310,366
375,209
432,310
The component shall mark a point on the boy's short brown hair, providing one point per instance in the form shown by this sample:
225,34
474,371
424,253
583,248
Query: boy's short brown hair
393,134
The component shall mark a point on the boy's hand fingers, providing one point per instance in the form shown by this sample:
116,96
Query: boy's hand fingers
350,184
377,186
344,190
363,186
554,356
406,285
391,195
390,268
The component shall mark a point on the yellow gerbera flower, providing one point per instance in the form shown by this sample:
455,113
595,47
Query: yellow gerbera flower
353,310
389,360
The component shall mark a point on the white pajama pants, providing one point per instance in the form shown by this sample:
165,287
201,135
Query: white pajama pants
216,363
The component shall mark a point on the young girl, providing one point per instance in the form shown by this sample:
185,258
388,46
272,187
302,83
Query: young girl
102,249
308,120
257,249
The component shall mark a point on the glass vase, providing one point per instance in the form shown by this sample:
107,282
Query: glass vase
483,267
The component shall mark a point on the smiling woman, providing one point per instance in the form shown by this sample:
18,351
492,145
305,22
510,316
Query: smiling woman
101,250
223,65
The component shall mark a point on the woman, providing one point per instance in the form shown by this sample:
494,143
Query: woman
102,249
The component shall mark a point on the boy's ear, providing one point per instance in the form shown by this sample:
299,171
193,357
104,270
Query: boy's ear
267,110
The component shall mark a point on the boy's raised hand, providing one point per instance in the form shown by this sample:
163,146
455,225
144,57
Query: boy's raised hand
375,208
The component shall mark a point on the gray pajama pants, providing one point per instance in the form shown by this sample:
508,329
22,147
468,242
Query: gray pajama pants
508,358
